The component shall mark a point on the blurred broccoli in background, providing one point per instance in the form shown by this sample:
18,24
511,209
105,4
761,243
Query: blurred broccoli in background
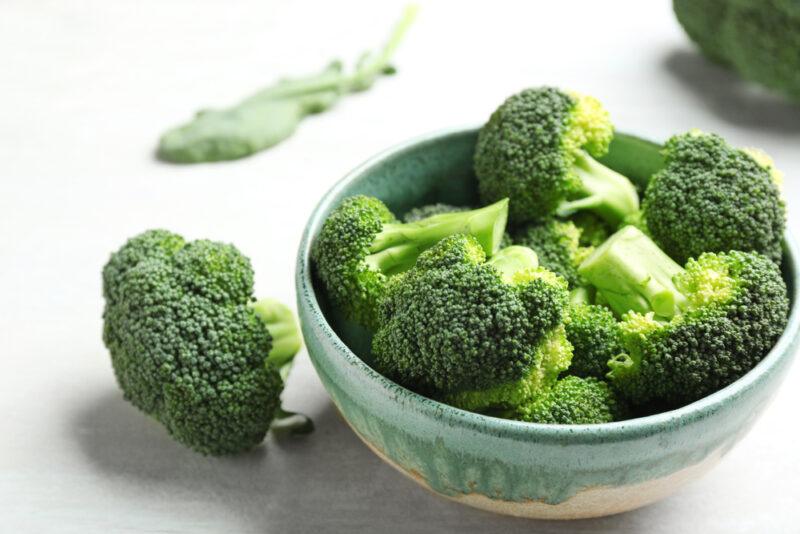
760,39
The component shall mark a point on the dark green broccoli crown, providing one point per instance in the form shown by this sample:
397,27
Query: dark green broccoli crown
455,322
423,212
185,344
711,197
762,39
557,244
522,153
702,20
596,338
738,308
574,401
536,149
339,256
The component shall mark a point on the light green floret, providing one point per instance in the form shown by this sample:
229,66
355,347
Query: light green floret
361,245
551,357
574,401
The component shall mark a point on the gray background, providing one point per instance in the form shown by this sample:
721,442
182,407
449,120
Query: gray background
86,89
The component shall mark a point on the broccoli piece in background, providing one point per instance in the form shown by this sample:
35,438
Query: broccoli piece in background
361,245
711,197
702,20
573,401
557,244
187,342
760,39
593,229
596,338
456,322
536,149
423,212
726,312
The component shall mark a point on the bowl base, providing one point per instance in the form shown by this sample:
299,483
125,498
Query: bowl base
598,501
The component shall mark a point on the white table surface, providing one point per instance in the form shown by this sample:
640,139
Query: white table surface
86,88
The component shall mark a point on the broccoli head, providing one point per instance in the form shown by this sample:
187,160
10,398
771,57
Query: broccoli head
711,197
725,313
536,149
557,244
188,344
595,336
573,401
361,245
457,322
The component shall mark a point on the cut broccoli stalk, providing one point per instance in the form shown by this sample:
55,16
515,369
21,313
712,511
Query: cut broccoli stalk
633,274
606,192
398,245
511,260
282,327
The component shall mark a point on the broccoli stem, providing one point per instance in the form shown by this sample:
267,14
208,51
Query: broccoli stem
606,192
633,274
398,245
282,327
511,260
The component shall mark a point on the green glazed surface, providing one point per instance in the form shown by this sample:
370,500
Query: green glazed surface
458,453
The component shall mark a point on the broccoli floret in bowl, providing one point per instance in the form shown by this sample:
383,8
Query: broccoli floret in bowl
498,460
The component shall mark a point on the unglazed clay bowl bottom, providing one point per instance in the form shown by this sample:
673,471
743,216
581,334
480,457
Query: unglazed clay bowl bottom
510,467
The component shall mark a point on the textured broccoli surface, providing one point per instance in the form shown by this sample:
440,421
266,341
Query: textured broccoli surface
593,229
557,244
456,322
703,20
187,343
596,338
551,357
711,197
536,149
760,39
361,245
573,401
724,314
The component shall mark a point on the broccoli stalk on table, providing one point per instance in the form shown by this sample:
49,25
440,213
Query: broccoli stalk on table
688,331
189,344
361,245
537,150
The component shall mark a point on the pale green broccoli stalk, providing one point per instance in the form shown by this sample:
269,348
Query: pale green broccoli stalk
536,149
187,342
361,245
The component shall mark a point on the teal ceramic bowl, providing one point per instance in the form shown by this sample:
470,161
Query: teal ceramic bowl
522,469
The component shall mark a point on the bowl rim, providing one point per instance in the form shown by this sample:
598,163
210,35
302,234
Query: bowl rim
619,430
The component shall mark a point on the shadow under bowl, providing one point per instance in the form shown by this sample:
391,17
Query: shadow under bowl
510,467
